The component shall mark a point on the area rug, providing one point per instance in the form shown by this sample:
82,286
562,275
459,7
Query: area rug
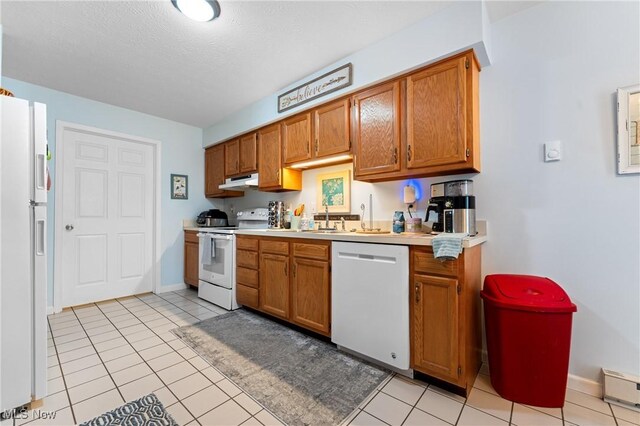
146,411
300,379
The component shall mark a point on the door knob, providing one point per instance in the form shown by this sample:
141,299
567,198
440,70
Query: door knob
69,227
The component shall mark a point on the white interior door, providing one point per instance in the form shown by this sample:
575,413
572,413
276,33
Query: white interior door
108,217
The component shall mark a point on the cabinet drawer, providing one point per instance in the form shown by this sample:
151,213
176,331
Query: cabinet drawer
423,261
245,243
191,237
248,259
312,251
247,296
275,247
247,277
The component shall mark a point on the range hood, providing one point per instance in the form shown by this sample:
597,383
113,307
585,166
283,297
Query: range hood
247,181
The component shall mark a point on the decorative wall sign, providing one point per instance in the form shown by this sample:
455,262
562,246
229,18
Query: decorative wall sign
323,85
179,187
334,190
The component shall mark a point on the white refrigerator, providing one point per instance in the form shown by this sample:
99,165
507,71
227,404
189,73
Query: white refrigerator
23,252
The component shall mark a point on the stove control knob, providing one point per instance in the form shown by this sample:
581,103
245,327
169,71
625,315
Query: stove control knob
239,214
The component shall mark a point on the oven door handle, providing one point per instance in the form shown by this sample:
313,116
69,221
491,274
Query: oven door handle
214,236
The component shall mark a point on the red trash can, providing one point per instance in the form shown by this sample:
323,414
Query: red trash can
528,328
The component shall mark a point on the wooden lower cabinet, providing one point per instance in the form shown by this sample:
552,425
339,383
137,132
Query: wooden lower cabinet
311,294
445,316
436,325
274,284
191,251
247,272
291,279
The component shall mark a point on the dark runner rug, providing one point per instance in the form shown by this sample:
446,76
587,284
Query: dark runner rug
300,379
146,411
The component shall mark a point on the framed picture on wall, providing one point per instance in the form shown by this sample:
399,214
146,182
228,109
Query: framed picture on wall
179,187
334,190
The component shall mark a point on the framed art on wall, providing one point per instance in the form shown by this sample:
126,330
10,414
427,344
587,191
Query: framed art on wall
628,134
179,187
334,190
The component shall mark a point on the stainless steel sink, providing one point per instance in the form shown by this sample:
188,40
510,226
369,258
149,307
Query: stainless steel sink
326,231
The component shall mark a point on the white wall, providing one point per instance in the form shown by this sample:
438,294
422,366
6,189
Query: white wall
387,196
458,27
554,72
181,153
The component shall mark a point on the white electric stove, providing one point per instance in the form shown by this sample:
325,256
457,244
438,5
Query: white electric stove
217,259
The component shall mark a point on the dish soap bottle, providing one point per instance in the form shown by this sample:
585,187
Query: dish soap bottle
304,222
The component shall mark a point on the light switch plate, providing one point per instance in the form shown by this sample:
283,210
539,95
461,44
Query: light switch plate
553,151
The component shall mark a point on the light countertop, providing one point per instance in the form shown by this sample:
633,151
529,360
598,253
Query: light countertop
400,239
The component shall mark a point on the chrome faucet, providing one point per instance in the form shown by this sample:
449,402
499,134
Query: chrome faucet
326,213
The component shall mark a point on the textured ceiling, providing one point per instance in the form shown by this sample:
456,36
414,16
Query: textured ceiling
146,56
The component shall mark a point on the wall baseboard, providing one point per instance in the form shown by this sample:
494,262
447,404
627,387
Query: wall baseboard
171,287
580,384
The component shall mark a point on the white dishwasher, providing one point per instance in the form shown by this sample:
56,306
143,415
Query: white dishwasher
370,301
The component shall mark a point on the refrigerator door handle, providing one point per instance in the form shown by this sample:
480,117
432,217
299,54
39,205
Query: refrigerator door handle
41,171
40,237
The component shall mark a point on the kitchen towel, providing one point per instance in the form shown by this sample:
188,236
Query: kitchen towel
208,248
447,246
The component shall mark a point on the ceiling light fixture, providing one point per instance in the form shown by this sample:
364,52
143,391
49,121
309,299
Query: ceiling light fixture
198,10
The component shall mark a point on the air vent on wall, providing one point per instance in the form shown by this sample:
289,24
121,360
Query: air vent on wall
622,389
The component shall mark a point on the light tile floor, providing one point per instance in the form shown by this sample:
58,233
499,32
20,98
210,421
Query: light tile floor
102,355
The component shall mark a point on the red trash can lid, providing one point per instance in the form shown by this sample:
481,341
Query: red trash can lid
527,293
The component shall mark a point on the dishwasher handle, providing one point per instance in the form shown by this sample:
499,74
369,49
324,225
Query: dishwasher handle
367,257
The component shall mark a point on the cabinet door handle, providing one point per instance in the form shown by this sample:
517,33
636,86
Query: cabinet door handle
417,293
294,269
395,155
408,152
316,146
286,269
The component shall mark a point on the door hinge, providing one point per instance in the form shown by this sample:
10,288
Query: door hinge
349,144
329,268
618,106
316,146
466,63
459,371
468,152
459,289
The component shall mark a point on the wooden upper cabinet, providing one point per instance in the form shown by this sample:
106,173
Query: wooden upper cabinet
331,129
214,161
376,130
436,115
248,153
270,161
438,122
232,158
296,138
273,177
436,327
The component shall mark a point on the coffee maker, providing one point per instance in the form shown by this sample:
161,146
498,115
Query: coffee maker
454,206
437,206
